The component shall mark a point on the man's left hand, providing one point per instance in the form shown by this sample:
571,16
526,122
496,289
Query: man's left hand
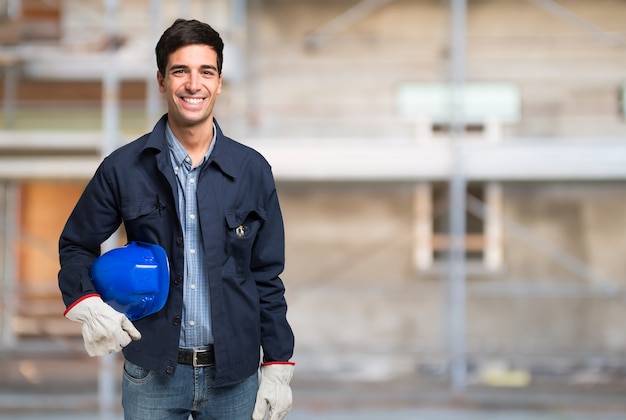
274,391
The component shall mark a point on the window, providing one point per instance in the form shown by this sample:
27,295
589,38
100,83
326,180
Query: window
483,222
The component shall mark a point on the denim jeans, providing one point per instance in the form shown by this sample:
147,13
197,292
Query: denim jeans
149,396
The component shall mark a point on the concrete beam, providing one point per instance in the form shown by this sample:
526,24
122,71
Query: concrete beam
47,167
355,160
512,160
45,140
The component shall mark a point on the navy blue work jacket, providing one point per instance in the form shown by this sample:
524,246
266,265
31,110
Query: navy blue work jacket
136,186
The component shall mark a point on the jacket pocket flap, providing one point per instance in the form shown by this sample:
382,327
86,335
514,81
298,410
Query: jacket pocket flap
134,209
237,218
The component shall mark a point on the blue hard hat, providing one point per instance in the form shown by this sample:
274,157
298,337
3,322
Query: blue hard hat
133,279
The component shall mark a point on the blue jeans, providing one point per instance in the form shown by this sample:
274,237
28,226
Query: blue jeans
149,396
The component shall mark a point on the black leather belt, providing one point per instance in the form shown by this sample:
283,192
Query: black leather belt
197,357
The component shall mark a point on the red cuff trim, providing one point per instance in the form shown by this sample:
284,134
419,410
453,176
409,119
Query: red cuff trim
278,363
69,308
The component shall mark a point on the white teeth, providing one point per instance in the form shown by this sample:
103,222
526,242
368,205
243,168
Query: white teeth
193,100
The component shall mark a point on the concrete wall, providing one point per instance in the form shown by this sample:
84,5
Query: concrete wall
354,293
568,78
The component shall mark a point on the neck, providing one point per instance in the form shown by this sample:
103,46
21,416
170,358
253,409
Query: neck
195,139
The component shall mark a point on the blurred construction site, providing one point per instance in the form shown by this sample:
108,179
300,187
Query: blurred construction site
451,175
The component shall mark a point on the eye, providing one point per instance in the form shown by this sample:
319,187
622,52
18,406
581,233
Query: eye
178,71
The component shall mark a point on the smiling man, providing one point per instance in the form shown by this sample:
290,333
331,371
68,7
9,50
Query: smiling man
211,204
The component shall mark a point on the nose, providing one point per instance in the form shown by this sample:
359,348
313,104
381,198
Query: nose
193,82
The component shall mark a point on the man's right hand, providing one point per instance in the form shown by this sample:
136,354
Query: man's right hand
105,330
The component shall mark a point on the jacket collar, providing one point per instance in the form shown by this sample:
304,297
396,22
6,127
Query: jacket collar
221,155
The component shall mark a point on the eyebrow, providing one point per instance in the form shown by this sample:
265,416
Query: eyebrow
183,67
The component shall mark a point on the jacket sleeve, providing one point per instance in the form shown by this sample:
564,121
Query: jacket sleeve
268,257
94,218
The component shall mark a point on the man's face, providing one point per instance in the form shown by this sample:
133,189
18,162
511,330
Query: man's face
191,84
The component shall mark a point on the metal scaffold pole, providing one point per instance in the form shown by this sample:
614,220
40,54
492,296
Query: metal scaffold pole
107,383
153,97
8,293
456,275
111,83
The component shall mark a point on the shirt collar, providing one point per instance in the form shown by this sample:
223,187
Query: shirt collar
179,155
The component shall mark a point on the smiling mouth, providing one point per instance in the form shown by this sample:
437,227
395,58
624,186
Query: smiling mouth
193,101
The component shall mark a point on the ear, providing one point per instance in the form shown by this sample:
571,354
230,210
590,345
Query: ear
219,85
161,80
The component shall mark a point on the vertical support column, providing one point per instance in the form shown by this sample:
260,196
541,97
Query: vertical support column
253,53
492,257
238,69
107,377
11,76
153,97
423,256
8,302
456,275
422,226
14,8
111,83
107,374
11,70
493,224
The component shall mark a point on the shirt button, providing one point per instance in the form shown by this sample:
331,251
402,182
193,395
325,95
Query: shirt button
192,180
192,251
187,159
192,323
192,216
193,287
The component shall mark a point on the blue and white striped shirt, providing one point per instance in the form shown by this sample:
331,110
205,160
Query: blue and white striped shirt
196,324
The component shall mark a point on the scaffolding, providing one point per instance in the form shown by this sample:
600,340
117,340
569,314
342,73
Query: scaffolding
457,158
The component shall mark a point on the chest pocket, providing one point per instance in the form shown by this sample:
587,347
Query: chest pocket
142,219
242,229
243,226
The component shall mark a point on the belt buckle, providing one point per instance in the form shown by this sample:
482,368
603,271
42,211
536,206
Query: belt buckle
194,358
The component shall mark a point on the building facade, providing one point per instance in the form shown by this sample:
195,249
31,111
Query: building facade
349,101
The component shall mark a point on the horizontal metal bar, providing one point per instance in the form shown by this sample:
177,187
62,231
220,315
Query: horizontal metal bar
42,167
359,160
47,140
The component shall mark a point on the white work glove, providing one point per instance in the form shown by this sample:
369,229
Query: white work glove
274,391
105,330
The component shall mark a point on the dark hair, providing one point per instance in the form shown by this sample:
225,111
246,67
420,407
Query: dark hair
187,32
